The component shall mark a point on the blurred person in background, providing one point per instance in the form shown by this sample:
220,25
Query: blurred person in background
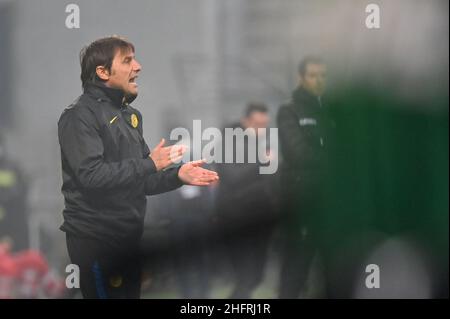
108,170
303,125
190,220
246,207
13,202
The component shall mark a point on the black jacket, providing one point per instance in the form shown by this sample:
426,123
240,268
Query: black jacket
244,196
303,126
106,168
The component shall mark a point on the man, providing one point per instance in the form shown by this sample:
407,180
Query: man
108,170
246,207
303,125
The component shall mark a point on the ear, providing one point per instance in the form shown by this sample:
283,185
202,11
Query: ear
102,73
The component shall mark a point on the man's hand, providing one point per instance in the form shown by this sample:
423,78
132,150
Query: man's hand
192,174
166,156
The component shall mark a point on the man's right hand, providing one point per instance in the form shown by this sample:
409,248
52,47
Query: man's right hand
165,156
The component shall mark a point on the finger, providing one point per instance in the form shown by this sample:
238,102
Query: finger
210,176
175,155
175,147
210,180
197,173
160,145
207,179
198,163
183,149
176,159
175,150
208,172
198,183
180,149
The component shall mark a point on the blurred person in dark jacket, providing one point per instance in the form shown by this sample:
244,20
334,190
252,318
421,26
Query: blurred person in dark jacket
246,207
190,221
13,202
303,124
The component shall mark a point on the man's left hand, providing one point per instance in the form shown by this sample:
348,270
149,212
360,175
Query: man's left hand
193,174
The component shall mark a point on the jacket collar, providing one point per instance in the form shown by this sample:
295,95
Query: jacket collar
302,96
101,92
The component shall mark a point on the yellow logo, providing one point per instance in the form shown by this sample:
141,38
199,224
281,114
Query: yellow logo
115,281
134,120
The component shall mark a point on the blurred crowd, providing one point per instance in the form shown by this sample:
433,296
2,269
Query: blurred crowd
24,272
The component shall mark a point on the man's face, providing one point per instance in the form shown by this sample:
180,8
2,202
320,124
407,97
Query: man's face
124,71
314,79
257,120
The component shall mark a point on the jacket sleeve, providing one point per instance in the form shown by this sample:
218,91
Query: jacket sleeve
82,149
163,181
296,148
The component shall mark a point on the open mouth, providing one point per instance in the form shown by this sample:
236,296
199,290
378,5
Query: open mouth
133,80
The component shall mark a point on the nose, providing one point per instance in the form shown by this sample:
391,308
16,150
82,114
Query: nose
137,66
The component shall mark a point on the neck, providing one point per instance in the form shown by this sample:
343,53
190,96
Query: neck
309,92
